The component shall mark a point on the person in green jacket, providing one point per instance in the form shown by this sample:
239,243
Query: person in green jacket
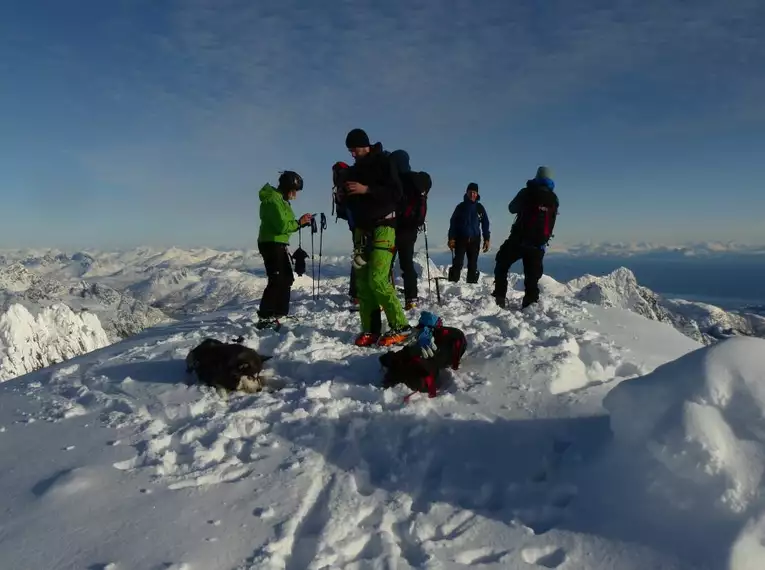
277,224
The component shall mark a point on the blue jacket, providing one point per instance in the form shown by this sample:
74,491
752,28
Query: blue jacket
469,220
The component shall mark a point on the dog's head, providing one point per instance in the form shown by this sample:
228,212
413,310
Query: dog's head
244,369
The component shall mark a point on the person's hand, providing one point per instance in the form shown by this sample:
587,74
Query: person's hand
305,220
356,188
451,243
486,245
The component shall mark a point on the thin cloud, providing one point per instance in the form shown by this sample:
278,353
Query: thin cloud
440,58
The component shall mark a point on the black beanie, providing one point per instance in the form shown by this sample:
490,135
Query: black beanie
357,138
472,186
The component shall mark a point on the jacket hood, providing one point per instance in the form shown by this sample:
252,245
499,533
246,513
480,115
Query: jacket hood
401,159
547,182
268,192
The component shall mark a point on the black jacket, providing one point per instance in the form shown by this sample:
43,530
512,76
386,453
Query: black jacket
376,170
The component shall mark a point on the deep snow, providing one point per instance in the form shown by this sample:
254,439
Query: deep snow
112,461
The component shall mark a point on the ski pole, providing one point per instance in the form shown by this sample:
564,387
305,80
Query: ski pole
322,227
427,261
313,273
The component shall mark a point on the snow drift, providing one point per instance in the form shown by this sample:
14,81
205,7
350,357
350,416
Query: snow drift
702,417
55,334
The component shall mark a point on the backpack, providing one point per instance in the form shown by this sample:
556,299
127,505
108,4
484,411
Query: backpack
536,220
408,367
340,171
414,205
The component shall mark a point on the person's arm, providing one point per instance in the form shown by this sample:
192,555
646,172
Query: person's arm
517,202
485,224
278,217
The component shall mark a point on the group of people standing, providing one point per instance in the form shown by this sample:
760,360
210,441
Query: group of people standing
385,204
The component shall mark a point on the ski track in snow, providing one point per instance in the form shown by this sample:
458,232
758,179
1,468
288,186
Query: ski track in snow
368,482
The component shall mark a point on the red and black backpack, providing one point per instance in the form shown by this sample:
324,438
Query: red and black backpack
536,220
414,206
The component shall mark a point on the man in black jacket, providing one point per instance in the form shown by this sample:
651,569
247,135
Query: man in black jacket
536,209
372,192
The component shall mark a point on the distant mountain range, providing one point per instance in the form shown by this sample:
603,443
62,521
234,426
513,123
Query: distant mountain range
632,249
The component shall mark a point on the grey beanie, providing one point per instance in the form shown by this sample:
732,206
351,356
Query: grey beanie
544,172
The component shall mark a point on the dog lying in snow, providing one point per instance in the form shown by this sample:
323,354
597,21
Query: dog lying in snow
434,347
230,367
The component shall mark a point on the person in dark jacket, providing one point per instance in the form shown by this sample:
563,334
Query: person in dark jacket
371,194
277,224
406,228
536,209
468,221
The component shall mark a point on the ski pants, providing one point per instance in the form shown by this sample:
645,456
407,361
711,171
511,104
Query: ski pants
471,247
373,282
511,251
405,240
276,296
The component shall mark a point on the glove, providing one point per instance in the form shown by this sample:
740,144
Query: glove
486,245
428,319
358,261
305,220
425,342
451,244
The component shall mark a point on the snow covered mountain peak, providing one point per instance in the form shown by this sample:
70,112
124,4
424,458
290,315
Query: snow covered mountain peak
55,334
15,277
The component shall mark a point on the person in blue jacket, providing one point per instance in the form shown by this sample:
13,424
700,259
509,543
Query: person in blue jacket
468,222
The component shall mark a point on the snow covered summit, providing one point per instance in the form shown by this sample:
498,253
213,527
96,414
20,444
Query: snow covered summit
517,464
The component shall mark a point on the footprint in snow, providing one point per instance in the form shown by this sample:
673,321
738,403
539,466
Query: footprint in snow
546,556
481,556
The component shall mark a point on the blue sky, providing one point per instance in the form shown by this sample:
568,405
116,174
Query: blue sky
134,122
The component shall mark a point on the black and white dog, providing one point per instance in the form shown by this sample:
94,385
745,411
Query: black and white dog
231,367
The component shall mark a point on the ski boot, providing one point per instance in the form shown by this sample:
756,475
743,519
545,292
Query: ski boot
367,339
395,336
268,323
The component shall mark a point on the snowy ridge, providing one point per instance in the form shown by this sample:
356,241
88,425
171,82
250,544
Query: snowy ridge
131,291
182,282
55,334
702,322
514,466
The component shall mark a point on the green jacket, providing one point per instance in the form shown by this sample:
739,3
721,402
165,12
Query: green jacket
277,221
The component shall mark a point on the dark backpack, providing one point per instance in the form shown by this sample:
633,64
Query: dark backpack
536,220
414,206
408,367
340,171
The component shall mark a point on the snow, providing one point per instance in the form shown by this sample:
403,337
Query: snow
703,417
54,334
576,434
517,464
